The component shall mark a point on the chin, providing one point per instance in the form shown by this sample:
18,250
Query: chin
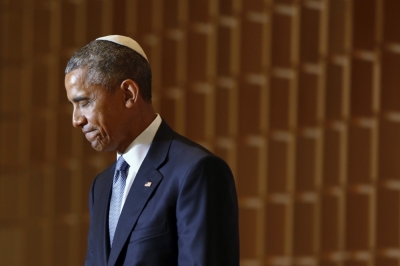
98,146
101,145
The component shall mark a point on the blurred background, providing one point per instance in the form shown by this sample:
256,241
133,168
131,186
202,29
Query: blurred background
300,97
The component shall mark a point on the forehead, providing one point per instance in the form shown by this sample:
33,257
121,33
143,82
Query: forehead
75,78
75,84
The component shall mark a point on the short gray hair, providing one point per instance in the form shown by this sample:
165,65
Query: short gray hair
108,64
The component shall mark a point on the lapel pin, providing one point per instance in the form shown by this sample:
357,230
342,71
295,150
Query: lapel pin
148,184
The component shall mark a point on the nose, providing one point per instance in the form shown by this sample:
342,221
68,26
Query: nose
78,120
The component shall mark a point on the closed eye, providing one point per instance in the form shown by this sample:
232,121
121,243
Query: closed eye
83,103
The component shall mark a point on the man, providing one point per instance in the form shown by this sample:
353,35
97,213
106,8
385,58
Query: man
166,200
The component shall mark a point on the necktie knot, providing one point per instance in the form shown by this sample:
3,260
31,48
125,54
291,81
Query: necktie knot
121,164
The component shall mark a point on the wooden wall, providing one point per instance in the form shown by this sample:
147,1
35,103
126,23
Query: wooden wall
301,97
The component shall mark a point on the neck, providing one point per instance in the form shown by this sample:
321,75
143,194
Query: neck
140,120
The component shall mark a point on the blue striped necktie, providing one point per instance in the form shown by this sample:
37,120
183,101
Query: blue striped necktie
116,196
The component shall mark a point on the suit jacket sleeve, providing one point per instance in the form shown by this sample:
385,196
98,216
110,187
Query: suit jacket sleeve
207,215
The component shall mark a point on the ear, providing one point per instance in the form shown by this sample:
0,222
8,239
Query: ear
131,92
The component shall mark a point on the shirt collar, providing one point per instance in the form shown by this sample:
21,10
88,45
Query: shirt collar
137,150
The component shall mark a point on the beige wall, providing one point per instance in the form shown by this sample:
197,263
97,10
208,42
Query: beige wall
301,97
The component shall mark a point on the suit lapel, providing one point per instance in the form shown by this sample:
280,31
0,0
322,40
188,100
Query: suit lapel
139,194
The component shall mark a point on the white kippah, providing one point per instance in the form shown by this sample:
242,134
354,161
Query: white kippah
125,41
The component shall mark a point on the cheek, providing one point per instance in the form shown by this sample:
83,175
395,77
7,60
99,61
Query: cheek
112,124
105,123
92,116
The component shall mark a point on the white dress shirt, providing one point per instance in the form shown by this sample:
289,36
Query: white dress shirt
136,152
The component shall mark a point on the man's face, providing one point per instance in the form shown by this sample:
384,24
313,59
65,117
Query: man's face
99,113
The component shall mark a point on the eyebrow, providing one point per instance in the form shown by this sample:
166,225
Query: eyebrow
80,98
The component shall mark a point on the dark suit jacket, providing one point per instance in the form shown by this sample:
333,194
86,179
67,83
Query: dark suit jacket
188,216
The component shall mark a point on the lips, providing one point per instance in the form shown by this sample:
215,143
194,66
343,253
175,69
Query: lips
90,134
